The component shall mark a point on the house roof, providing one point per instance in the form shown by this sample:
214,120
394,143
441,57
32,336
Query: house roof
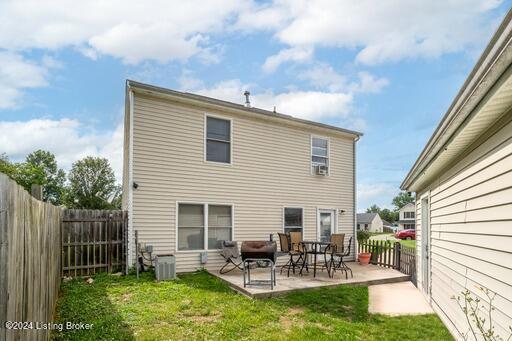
209,101
386,223
365,218
408,206
482,100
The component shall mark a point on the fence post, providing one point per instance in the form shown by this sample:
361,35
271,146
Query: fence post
397,250
36,191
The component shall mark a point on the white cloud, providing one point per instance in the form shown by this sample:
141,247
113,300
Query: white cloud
16,74
383,31
68,139
324,76
131,30
295,54
311,105
367,83
380,194
165,30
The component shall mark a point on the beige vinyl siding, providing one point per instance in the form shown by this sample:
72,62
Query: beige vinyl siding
471,229
270,170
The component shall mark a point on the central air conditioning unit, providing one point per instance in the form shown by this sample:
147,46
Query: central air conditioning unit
321,170
165,267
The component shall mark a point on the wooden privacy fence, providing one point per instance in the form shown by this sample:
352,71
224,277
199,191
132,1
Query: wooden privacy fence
93,241
391,255
30,237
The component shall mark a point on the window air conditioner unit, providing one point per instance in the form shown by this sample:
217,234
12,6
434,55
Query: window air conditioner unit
321,170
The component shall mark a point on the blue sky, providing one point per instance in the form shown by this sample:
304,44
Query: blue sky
388,69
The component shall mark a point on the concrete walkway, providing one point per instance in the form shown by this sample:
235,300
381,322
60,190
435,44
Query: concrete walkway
397,299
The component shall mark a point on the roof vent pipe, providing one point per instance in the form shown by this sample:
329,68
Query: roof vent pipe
247,101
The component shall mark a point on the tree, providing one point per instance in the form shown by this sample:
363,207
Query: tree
40,168
48,175
402,199
92,185
385,214
6,166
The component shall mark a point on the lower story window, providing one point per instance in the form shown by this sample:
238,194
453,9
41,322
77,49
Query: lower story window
292,220
197,233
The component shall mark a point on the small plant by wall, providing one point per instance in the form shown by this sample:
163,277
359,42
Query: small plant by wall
479,316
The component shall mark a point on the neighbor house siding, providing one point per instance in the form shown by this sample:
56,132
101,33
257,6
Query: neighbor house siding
270,170
471,229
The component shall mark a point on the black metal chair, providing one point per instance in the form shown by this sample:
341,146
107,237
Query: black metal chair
288,250
341,253
231,255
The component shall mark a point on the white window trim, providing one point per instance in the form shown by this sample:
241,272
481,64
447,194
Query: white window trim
205,222
293,227
311,153
205,136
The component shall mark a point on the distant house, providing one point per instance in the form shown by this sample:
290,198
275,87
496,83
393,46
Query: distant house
386,225
463,185
407,217
371,222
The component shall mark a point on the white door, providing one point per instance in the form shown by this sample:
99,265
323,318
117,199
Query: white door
326,223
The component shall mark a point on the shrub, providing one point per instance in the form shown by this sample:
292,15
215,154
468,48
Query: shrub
363,236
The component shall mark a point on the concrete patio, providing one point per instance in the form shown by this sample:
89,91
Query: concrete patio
363,275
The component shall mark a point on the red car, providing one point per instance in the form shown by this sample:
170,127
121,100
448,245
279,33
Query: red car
406,234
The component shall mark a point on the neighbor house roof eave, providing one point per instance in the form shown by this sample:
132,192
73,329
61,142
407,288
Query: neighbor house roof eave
483,77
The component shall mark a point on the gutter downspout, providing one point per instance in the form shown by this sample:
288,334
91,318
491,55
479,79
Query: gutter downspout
356,246
130,180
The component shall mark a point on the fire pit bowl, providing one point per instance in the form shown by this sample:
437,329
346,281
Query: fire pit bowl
259,249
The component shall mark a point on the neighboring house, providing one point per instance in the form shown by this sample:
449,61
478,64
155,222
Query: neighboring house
198,170
386,225
463,185
369,222
407,217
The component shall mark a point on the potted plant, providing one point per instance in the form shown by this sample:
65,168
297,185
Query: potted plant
362,238
364,258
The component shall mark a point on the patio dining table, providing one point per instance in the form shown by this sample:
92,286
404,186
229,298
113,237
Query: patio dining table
315,248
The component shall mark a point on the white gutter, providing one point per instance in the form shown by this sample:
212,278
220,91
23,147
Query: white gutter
493,62
356,246
130,179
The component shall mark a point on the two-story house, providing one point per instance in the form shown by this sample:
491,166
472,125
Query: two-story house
198,170
407,217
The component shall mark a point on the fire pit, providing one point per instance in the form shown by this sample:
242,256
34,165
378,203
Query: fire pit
261,254
259,249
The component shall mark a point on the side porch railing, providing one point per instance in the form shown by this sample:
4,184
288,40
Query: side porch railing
391,255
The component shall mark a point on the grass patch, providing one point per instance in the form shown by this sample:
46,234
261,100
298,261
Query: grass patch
408,243
199,306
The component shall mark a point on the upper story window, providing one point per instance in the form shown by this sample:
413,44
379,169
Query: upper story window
408,215
319,152
218,140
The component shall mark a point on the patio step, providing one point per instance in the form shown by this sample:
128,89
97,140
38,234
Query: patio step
363,275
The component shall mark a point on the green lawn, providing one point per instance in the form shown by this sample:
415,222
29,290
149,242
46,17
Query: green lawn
409,243
199,306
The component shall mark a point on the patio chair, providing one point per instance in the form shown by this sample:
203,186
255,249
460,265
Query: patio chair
231,255
286,250
298,247
340,252
337,240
